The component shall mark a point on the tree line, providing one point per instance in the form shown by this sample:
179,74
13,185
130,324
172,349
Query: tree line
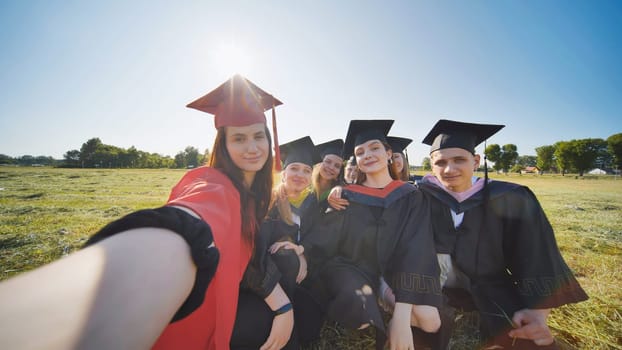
576,156
95,154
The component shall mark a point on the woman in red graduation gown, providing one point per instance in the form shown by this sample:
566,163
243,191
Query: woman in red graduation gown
168,277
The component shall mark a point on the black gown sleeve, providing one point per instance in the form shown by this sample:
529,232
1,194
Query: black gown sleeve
195,232
322,241
412,271
535,262
262,274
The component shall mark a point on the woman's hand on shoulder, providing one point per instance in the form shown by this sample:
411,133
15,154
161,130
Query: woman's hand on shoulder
286,245
334,199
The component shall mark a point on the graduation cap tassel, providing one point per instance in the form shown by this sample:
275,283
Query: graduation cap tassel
277,152
485,166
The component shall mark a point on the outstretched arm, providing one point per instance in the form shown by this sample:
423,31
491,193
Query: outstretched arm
119,293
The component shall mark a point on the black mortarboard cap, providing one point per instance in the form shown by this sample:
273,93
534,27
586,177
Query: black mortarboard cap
398,144
331,147
352,160
450,134
361,131
301,150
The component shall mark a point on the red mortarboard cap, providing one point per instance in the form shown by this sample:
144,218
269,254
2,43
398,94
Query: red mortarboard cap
331,147
239,102
361,131
452,134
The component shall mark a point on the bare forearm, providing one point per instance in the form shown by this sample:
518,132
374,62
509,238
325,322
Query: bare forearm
277,298
120,293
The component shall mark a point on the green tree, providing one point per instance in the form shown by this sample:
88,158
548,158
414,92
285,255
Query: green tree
545,157
493,153
4,159
563,156
87,152
525,161
508,156
614,146
72,158
25,160
193,159
180,160
426,164
585,152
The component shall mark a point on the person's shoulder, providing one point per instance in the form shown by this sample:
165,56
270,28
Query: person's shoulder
510,190
204,181
506,187
206,174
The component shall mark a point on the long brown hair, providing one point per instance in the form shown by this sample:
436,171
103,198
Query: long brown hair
361,177
403,175
254,202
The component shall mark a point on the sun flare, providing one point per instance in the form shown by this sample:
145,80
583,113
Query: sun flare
230,58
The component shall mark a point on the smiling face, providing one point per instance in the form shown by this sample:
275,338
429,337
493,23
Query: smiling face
297,177
331,166
454,168
248,147
372,157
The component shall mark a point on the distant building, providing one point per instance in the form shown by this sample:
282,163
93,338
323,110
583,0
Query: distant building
530,170
597,171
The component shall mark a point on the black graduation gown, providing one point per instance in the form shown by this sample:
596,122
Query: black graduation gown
264,271
383,232
507,248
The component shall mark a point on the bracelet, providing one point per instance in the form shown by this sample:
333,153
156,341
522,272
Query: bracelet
283,309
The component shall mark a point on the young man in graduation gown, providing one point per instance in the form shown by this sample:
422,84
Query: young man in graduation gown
496,248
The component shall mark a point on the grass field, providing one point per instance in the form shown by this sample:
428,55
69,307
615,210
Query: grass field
48,213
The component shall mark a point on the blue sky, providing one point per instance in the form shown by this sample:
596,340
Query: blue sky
123,71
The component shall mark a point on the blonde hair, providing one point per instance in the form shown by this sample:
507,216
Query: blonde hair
280,201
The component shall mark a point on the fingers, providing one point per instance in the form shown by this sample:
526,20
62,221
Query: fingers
302,274
278,245
339,204
544,341
273,343
540,334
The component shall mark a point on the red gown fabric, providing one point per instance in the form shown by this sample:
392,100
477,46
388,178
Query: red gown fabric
211,195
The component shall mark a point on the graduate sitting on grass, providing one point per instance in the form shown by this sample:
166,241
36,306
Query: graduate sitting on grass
496,248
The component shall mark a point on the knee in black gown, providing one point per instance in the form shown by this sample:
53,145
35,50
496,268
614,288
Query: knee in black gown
288,264
351,299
